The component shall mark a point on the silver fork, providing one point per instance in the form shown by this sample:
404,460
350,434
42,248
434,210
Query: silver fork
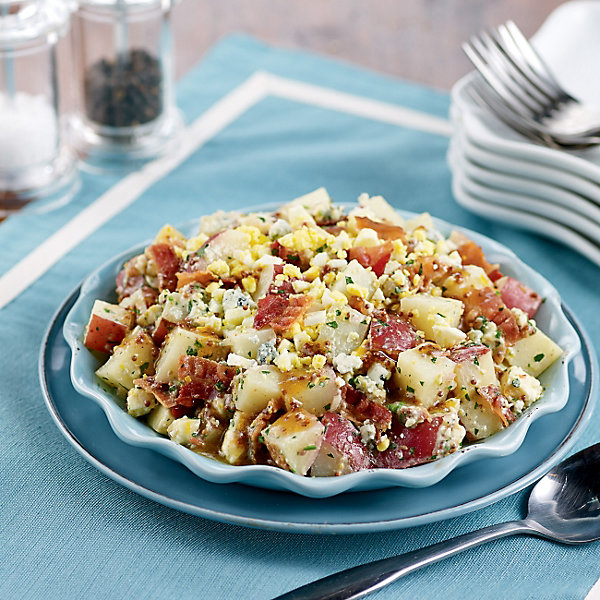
520,89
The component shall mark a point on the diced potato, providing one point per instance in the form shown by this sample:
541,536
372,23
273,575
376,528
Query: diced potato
348,333
479,372
342,450
423,220
294,440
468,278
379,209
477,416
130,360
355,280
315,391
159,419
234,448
314,202
265,279
181,342
447,337
426,311
534,353
140,402
225,244
182,430
256,387
247,343
428,377
215,223
107,327
169,235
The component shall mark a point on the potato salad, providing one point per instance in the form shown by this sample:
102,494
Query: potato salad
320,341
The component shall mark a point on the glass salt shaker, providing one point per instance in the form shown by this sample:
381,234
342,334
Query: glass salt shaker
125,110
35,161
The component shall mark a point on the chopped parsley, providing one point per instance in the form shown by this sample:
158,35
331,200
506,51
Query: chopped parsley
332,324
538,357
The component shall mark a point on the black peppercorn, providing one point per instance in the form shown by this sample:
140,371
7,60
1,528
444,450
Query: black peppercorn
124,92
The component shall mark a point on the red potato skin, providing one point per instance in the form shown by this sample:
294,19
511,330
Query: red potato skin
391,334
344,437
409,446
104,334
517,295
467,353
167,265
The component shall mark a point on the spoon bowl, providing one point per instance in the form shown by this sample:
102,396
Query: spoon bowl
565,503
564,506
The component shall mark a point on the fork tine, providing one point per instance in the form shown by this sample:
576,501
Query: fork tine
485,98
492,79
533,58
512,76
522,77
532,130
506,43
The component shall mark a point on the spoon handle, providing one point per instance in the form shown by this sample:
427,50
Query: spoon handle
364,579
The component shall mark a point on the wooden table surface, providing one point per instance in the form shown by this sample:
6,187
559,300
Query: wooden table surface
418,40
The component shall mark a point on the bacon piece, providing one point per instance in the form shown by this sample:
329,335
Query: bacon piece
289,256
167,265
201,277
159,390
485,302
344,438
472,254
205,371
130,280
385,231
351,395
374,412
429,269
409,446
375,257
360,305
292,314
498,403
269,308
257,450
280,311
517,295
390,333
467,353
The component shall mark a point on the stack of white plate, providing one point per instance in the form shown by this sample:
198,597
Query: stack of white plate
499,174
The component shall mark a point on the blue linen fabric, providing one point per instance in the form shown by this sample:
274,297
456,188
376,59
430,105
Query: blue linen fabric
70,532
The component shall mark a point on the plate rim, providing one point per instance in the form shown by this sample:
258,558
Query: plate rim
324,527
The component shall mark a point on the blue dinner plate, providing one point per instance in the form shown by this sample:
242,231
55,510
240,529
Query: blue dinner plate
161,479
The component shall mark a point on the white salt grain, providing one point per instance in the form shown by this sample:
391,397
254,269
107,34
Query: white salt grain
28,131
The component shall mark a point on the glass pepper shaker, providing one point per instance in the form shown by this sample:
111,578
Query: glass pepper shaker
125,109
35,161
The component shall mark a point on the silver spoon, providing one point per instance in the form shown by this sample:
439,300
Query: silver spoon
564,506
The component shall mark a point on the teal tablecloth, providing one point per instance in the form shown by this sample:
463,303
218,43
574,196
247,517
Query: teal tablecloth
67,531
